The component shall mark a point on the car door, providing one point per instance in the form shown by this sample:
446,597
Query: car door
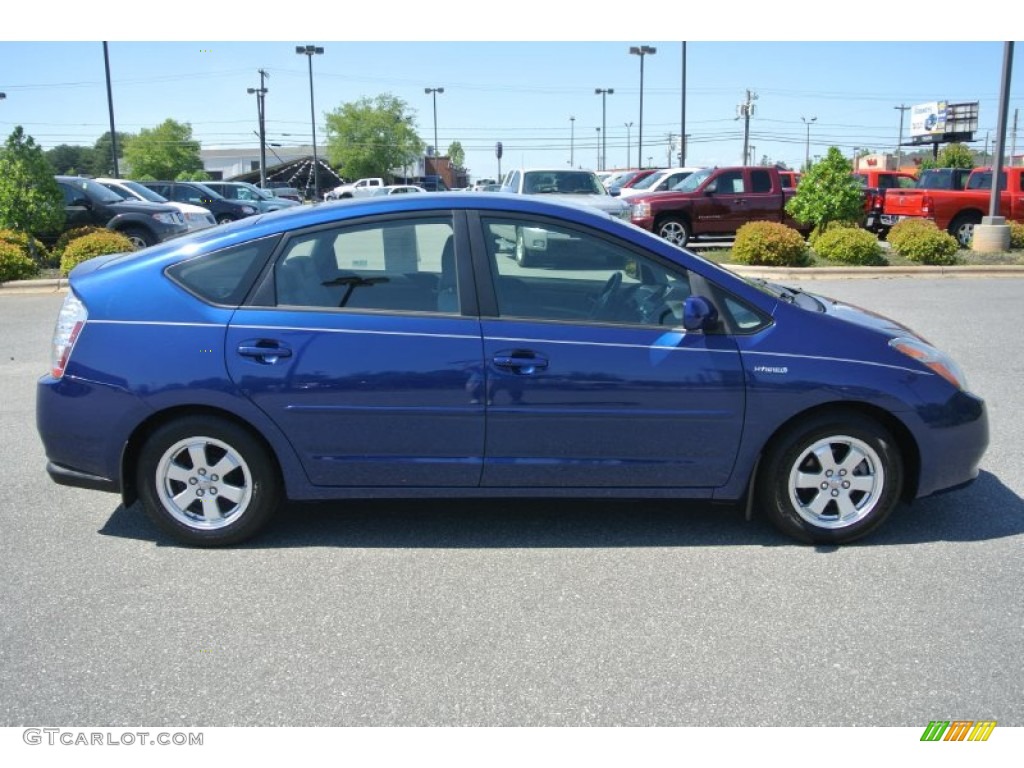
364,350
589,379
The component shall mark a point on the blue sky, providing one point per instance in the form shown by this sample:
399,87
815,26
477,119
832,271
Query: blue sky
522,93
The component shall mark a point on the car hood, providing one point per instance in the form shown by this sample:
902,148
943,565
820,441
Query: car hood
606,203
865,318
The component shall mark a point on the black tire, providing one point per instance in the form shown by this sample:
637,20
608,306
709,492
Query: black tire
226,506
962,227
675,229
141,238
831,479
524,256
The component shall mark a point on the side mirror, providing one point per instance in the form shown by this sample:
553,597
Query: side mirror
699,314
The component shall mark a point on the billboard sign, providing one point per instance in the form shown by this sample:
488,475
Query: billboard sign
929,119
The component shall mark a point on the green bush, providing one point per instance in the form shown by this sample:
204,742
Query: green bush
908,230
921,241
849,245
95,244
812,239
1016,235
72,234
21,241
14,264
771,244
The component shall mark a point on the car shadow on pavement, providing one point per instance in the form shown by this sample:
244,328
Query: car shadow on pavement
986,510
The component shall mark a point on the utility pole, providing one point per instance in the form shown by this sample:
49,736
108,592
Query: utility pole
671,138
1013,137
807,146
261,106
110,108
899,142
745,110
682,114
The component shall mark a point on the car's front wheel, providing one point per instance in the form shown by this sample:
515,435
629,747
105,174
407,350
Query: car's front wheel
207,481
831,479
675,230
140,237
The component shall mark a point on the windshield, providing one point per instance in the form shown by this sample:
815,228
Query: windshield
694,180
562,183
144,192
207,191
96,191
649,181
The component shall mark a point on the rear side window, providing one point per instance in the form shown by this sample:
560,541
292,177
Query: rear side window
223,277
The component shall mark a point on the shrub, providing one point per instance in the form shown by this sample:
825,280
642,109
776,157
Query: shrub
907,230
95,244
72,234
849,245
14,264
1016,235
818,231
921,241
21,241
771,244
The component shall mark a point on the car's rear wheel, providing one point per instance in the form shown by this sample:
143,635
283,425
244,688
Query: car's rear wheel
832,479
962,228
675,230
207,481
524,256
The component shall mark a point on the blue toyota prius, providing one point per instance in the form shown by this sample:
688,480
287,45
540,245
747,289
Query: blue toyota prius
404,346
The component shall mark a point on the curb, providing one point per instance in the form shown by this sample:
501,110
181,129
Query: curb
59,285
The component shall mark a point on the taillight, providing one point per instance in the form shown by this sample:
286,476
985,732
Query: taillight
927,206
70,322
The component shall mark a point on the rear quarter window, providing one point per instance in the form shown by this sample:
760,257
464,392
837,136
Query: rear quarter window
223,277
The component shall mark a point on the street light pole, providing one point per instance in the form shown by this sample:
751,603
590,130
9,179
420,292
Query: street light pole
604,132
598,129
572,140
628,126
641,51
110,109
807,146
261,92
310,51
434,92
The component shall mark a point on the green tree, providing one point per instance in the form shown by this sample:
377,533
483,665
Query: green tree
954,155
103,154
827,193
30,200
456,154
370,137
163,152
70,159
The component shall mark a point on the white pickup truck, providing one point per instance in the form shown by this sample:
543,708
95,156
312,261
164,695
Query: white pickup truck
360,188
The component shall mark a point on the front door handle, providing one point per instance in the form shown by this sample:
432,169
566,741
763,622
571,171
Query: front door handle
521,362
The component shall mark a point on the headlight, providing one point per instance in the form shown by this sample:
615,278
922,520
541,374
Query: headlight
929,356
641,211
165,218
248,209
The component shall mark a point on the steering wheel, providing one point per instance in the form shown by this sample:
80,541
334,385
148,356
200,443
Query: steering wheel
605,297
654,302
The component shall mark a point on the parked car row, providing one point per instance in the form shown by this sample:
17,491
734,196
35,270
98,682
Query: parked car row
149,212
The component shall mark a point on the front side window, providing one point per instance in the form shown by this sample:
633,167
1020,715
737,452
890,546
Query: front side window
395,266
546,271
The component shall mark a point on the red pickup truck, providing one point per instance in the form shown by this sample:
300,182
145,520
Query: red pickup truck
714,201
957,211
875,184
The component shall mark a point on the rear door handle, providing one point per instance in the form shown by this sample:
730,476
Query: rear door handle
264,351
520,362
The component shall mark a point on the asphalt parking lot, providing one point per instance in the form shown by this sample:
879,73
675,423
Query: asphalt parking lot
533,613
